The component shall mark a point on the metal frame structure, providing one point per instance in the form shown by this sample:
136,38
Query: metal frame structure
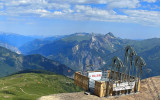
122,74
129,56
116,77
139,63
128,71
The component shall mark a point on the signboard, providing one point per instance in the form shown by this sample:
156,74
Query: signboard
95,75
123,86
92,77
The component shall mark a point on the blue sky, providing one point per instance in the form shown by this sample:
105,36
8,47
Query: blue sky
133,19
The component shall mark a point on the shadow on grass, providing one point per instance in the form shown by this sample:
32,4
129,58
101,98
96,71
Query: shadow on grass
8,92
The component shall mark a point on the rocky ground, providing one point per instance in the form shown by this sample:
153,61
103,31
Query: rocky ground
146,93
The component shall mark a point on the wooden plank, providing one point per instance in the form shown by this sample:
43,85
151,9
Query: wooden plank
85,82
81,80
100,88
103,89
97,89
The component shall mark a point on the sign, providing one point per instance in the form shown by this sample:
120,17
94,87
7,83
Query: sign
123,86
92,77
95,75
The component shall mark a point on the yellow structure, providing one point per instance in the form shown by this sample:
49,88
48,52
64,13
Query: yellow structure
81,80
123,77
101,87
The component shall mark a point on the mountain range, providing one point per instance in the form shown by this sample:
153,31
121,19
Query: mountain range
79,50
21,43
96,50
11,62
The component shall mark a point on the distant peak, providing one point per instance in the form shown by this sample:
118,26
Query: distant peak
93,38
110,35
81,34
7,33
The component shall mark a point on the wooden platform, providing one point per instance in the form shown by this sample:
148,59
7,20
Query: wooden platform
102,88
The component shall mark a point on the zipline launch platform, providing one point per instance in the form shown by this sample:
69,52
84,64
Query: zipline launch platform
123,77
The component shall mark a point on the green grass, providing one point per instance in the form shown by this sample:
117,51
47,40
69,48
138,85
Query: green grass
30,86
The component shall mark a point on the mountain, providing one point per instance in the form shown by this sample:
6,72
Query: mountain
79,50
37,43
149,49
11,62
96,50
10,47
32,45
32,84
15,40
152,57
23,44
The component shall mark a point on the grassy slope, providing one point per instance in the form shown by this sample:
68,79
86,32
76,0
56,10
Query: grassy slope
30,86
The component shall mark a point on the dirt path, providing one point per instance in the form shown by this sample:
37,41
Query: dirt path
70,96
144,94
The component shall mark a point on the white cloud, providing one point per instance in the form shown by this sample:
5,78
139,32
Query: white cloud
110,3
58,6
81,10
36,7
58,13
144,16
150,1
1,6
89,13
124,4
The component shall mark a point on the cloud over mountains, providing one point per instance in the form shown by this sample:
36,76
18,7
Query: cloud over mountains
145,12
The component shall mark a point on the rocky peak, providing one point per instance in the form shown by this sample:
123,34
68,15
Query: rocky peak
75,49
109,35
93,38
